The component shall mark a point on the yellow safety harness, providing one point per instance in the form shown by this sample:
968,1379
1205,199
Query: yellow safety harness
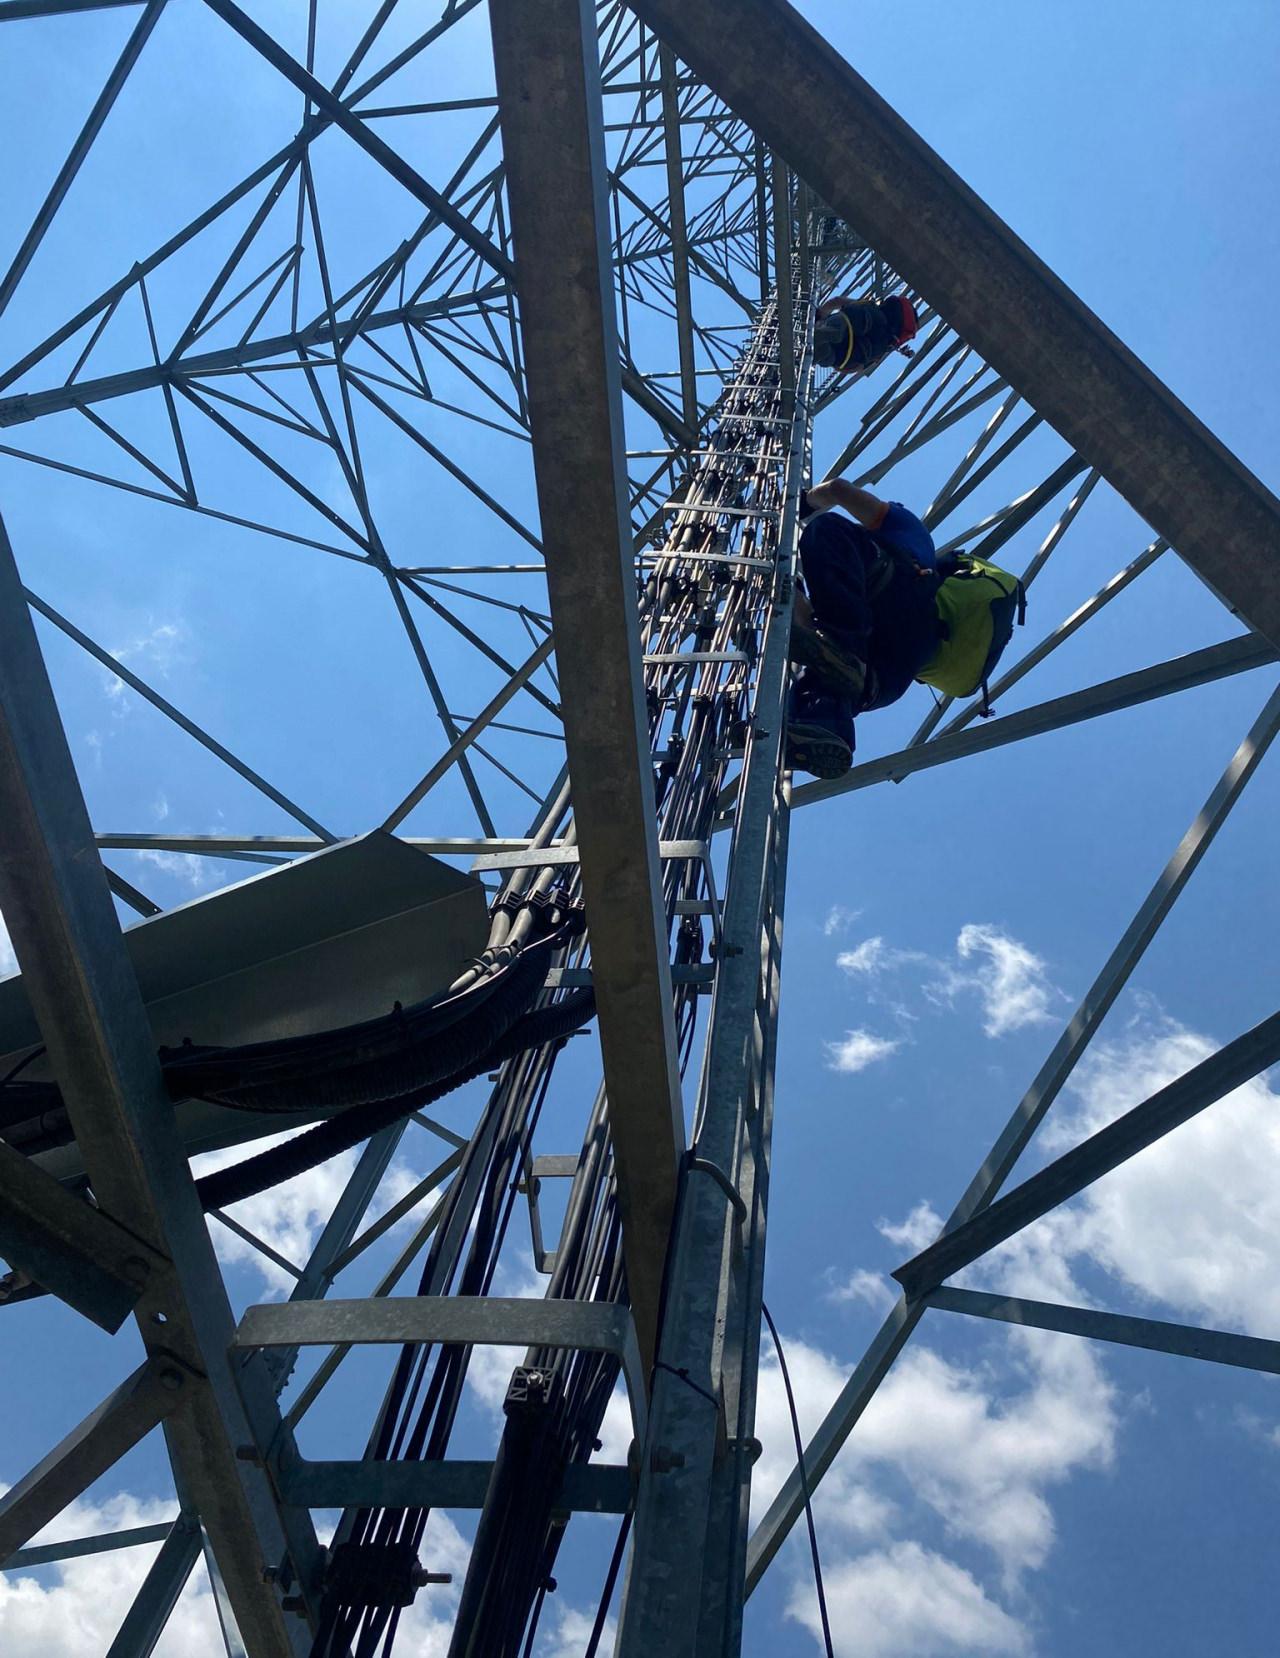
848,322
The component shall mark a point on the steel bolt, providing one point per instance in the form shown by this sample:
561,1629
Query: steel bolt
137,1270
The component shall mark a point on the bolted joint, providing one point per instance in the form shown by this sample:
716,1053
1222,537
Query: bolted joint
137,1270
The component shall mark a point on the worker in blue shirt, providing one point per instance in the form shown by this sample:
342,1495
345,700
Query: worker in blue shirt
867,625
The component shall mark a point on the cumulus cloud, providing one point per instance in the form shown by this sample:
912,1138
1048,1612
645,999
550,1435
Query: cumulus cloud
859,1049
570,1633
76,1606
1190,1227
871,1288
948,1457
1192,1223
907,1599
916,1232
974,1449
289,1217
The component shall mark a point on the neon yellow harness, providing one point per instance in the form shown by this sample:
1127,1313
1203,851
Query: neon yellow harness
848,322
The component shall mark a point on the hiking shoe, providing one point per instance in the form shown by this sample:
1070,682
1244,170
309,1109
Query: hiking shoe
839,668
817,749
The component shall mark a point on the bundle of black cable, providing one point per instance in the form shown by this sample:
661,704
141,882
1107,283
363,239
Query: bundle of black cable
374,1072
498,1025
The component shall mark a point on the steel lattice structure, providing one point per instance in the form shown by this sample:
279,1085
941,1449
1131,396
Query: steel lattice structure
613,280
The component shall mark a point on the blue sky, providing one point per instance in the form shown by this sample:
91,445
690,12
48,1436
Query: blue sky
1005,1494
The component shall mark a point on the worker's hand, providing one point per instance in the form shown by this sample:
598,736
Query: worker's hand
818,498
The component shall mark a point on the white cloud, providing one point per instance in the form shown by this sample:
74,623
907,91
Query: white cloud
8,957
970,1453
1011,982
158,652
868,957
872,1288
838,919
1190,1226
1011,979
873,956
859,1049
196,872
1257,1428
289,1217
906,1599
976,1450
489,1374
572,1631
916,1232
76,1606
1192,1223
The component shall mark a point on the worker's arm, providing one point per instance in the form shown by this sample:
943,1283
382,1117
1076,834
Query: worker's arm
861,504
837,302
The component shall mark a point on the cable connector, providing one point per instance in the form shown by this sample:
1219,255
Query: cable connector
377,1574
532,1391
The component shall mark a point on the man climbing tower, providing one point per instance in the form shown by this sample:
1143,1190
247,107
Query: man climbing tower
869,624
857,334
881,610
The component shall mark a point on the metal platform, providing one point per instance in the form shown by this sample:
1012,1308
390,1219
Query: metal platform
329,940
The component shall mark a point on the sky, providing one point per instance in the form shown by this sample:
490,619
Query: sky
1007,1492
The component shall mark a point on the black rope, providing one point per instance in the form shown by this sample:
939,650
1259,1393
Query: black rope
610,1582
804,1482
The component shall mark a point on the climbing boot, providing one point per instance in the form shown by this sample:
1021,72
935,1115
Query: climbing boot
820,736
837,667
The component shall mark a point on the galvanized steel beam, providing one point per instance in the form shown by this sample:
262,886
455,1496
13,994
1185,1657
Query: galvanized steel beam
60,916
127,1415
1202,1086
68,1247
1155,1335
864,159
688,1555
1180,673
549,102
